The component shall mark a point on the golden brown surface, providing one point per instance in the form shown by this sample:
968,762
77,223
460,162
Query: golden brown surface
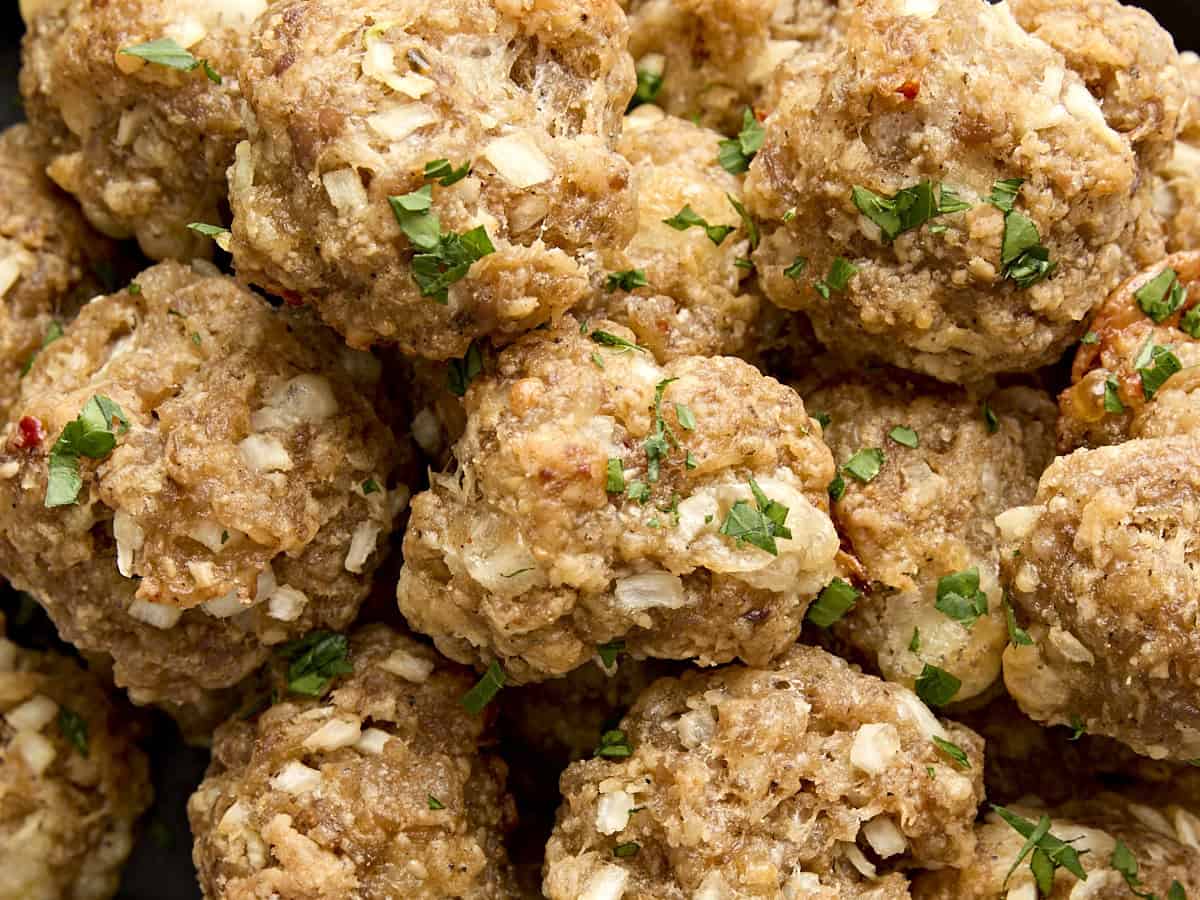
142,146
929,513
963,97
521,555
697,301
329,799
1163,842
349,105
232,515
1101,573
1177,180
48,257
796,780
66,818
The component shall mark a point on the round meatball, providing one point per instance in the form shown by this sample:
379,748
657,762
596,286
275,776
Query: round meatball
143,145
73,780
378,790
350,107
1163,843
1177,179
851,192
1101,573
804,779
1118,389
242,504
927,516
599,496
713,58
49,259
696,301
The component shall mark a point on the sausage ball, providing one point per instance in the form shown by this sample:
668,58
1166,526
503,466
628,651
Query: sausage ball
1162,845
599,496
380,789
191,477
73,781
48,259
1134,375
1100,572
804,779
351,107
1177,179
142,138
695,300
951,461
713,58
873,193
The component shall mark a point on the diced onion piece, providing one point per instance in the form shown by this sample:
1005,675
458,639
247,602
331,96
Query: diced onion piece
649,590
696,728
1016,523
287,603
242,177
1083,106
224,607
919,712
408,666
303,400
858,860
130,538
159,615
398,122
519,160
884,837
607,883
333,735
875,746
427,431
345,190
1071,647
713,887
296,778
362,545
35,749
264,453
801,885
33,715
209,534
372,741
10,271
612,812
234,820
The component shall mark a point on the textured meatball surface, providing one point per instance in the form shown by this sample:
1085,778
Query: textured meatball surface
955,94
350,104
142,146
588,503
382,789
802,779
929,512
1177,179
1101,571
48,258
246,503
73,781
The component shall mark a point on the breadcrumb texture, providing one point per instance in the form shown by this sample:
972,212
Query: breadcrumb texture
67,818
1177,180
329,799
1109,368
804,779
522,555
348,105
1163,841
142,146
48,257
929,513
232,515
1100,569
697,301
955,94
716,57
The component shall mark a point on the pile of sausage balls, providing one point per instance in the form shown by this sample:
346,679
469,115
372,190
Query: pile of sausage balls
605,449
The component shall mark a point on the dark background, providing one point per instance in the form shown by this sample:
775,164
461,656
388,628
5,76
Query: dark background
161,866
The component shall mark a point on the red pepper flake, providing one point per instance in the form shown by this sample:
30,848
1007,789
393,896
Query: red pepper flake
30,434
909,89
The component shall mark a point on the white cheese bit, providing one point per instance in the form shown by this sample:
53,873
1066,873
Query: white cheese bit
130,538
33,715
612,812
35,749
159,615
875,746
234,819
333,735
606,884
856,858
303,400
427,431
346,191
519,160
224,607
10,271
286,603
648,590
919,712
263,453
372,741
362,545
408,666
398,122
296,778
884,837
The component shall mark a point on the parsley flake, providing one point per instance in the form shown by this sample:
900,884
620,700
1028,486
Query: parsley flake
747,221
953,751
865,464
625,281
905,436
461,372
838,278
990,419
1078,728
166,52
315,660
823,418
649,84
1112,396
837,488
370,486
606,339
1190,323
1160,297
835,600
736,154
485,690
1017,636
441,171
614,479
74,728
1023,257
614,745
914,643
626,850
906,210
443,258
1004,194
638,491
1091,338
935,686
685,417
1155,365
219,234
959,597
1049,853
53,333
688,218
94,435
435,803
796,269
757,525
609,652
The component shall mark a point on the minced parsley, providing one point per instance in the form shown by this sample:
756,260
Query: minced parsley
614,478
1004,194
614,744
435,803
838,279
1017,636
736,154
796,269
441,171
485,690
953,751
1190,323
835,600
442,258
1124,862
615,341
935,686
609,652
461,372
905,437
166,52
1161,296
1112,396
1155,365
1049,853
74,728
747,221
92,434
758,525
959,597
649,84
315,660
626,850
688,218
626,281
865,464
